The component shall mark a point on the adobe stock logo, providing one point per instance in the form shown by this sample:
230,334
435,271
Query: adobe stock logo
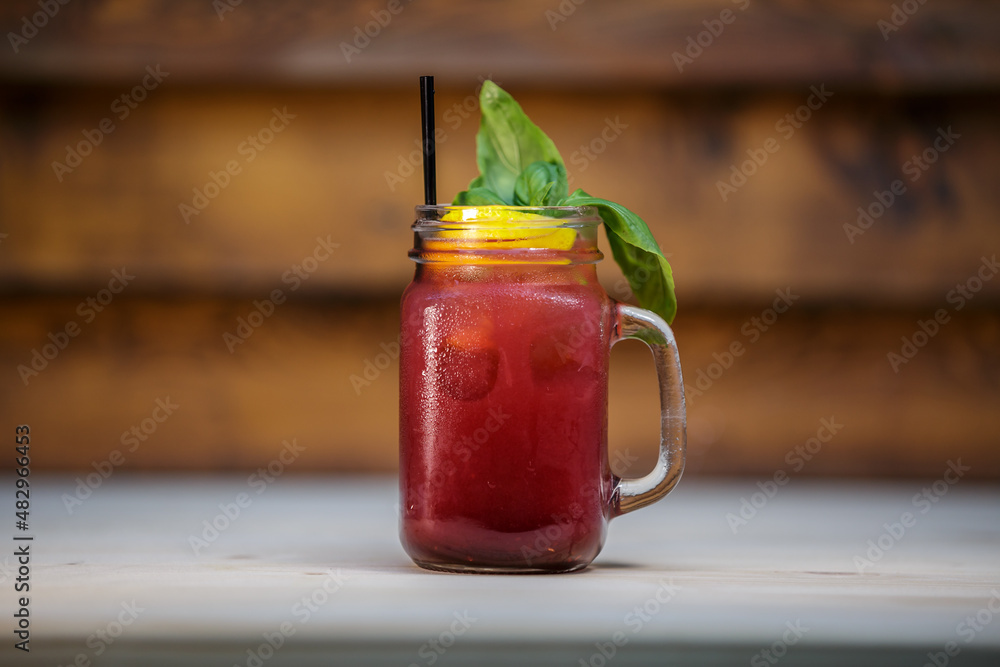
927,329
373,367
60,339
133,438
914,168
899,17
753,329
587,153
30,28
893,533
381,18
796,458
786,127
250,149
121,107
696,44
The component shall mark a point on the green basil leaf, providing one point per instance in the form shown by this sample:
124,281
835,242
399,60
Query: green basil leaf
636,252
538,184
507,142
478,196
519,165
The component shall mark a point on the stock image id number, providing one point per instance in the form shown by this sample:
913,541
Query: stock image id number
22,543
22,492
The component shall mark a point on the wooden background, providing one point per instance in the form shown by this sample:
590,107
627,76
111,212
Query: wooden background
324,176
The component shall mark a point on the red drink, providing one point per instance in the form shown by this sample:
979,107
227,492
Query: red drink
503,388
503,393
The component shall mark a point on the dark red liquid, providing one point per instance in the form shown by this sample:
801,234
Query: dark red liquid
503,417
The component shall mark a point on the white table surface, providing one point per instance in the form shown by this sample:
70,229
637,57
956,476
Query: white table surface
792,563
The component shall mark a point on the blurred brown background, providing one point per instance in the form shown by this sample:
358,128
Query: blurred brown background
318,122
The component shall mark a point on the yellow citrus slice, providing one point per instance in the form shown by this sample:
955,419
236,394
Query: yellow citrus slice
507,229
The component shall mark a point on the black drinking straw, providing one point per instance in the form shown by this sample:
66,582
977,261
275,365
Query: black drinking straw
427,122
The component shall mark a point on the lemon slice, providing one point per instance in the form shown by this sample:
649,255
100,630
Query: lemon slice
507,230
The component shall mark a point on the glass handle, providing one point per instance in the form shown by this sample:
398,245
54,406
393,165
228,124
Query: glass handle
644,325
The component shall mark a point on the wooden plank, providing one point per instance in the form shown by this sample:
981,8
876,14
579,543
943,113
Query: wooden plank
941,45
292,378
341,170
704,595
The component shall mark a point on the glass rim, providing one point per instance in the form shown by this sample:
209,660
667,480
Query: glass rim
430,214
431,207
